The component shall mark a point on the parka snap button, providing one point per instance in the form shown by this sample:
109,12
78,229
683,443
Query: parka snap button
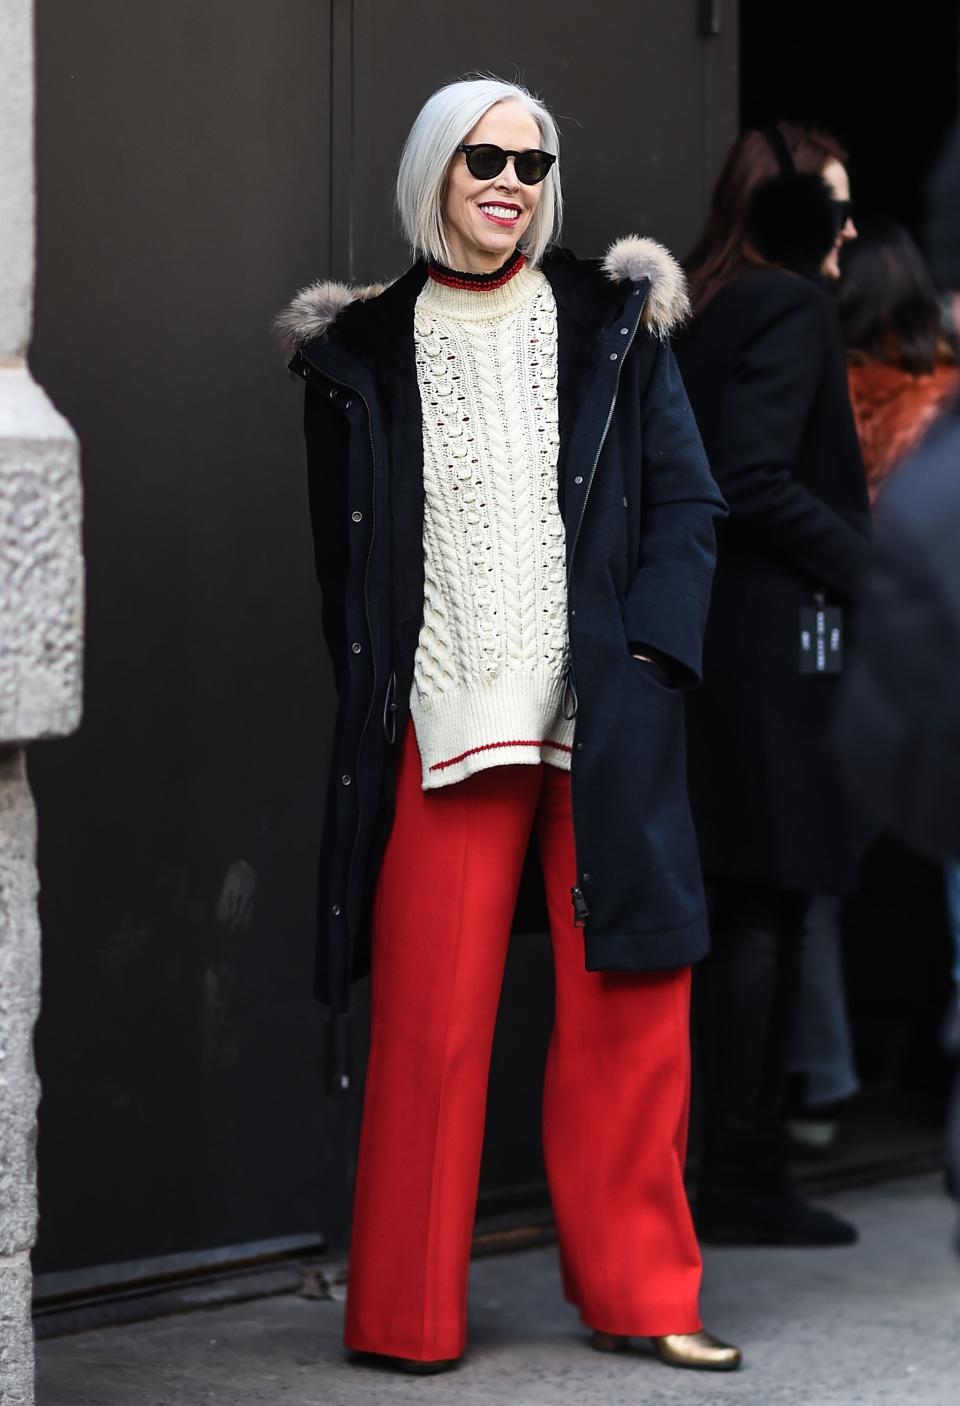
579,478
579,746
614,355
345,780
624,331
356,646
357,517
333,395
335,910
586,878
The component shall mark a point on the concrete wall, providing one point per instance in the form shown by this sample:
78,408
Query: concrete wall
40,641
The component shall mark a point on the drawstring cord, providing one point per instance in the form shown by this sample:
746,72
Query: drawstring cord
569,702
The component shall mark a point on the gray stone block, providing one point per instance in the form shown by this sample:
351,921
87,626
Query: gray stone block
19,1005
41,635
16,1333
41,565
16,176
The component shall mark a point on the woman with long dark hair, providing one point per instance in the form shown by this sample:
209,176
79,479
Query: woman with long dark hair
763,365
785,225
514,525
901,368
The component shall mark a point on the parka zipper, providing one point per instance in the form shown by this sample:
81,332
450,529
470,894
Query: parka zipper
606,430
581,911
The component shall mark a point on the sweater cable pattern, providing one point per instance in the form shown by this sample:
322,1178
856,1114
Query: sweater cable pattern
493,647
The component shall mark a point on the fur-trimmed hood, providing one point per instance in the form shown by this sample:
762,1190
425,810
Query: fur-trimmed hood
316,308
635,257
631,259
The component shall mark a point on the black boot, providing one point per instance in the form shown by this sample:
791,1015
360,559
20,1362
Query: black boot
747,1198
745,1194
743,1218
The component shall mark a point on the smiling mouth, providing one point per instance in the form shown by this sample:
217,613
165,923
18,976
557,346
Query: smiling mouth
506,215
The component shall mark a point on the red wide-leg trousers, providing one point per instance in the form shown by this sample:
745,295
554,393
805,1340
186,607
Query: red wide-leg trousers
615,1098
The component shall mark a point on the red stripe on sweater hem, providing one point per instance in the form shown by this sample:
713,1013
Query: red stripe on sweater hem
493,746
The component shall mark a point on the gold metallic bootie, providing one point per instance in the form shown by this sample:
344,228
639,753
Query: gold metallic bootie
700,1352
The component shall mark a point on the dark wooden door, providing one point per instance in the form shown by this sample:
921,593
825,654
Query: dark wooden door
198,163
183,172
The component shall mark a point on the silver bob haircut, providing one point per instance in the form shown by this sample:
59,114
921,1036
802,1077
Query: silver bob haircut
444,121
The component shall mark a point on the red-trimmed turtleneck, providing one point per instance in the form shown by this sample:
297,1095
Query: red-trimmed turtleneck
477,282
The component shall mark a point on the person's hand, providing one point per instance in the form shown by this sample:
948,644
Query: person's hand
235,904
657,666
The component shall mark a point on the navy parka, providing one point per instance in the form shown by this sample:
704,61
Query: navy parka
639,506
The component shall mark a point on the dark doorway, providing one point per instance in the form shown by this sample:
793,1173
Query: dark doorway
179,1044
881,79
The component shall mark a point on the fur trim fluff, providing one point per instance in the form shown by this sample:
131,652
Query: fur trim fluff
635,257
317,307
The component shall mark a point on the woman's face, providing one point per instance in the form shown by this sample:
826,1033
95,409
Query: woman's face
483,220
837,179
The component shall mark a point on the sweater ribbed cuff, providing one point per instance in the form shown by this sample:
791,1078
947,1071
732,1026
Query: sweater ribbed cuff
513,719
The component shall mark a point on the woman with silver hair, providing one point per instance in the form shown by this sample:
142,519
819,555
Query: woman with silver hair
514,529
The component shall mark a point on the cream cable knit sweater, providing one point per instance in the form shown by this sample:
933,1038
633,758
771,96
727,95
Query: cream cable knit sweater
493,651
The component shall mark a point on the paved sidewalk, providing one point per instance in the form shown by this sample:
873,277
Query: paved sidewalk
877,1325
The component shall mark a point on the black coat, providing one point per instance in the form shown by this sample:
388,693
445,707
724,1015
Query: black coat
898,728
639,505
765,373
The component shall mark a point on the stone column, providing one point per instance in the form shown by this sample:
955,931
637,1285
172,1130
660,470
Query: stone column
41,635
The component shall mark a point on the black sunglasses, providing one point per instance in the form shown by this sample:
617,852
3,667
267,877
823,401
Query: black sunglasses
486,161
842,211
